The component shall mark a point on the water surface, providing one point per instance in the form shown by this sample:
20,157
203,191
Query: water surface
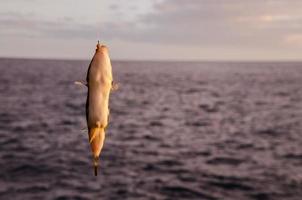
177,131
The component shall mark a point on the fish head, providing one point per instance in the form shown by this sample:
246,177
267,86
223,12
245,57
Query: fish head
101,64
102,48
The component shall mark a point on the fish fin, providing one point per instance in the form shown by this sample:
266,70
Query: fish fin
95,165
94,134
84,130
96,170
114,86
82,83
105,128
95,131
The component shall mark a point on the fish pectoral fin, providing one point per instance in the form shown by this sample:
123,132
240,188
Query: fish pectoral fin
82,83
114,86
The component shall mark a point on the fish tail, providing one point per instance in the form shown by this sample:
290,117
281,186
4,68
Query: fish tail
96,139
95,165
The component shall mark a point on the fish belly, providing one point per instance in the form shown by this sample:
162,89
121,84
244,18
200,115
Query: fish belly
98,107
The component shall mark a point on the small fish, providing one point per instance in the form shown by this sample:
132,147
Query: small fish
100,83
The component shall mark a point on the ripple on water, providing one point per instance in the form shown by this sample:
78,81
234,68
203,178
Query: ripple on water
177,130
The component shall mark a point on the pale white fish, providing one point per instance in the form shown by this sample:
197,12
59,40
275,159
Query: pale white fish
100,83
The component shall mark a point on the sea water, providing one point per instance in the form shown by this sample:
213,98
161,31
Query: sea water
178,130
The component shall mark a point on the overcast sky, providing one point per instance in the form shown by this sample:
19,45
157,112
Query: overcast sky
153,29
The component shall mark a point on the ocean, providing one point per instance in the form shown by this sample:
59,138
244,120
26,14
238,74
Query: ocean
178,130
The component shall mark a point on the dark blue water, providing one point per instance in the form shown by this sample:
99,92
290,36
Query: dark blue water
177,131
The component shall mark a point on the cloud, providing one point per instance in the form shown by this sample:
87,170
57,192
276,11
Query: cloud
183,22
214,22
200,25
27,25
294,40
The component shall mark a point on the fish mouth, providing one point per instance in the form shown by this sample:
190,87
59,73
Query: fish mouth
101,47
96,140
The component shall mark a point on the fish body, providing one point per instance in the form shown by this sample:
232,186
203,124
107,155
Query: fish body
99,82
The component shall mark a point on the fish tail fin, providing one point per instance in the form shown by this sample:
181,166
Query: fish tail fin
96,139
95,165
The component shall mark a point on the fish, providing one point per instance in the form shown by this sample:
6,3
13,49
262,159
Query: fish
99,82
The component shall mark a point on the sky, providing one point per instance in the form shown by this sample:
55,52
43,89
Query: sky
153,29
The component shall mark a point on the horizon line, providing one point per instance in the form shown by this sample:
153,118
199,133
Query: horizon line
157,60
